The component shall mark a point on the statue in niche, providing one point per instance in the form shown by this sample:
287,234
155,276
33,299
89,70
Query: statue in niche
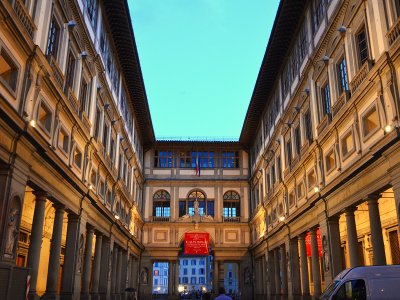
325,253
196,207
247,276
12,232
143,276
80,255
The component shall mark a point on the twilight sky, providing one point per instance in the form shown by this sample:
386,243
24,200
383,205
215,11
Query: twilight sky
200,60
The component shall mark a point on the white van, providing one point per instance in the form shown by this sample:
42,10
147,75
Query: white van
365,283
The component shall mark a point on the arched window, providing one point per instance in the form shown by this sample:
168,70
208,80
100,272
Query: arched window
206,206
161,204
231,208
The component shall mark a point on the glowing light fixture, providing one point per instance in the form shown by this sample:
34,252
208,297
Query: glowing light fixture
316,189
116,217
388,128
32,123
281,218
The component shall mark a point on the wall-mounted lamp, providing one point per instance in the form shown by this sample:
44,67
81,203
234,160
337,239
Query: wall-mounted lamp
84,54
281,218
32,123
316,189
342,29
113,122
388,128
116,217
90,186
325,59
98,88
307,91
71,25
297,108
288,124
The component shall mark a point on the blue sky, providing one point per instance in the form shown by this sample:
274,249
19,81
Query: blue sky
200,60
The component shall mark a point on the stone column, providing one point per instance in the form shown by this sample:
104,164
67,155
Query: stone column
315,262
119,272
378,246
278,284
283,267
105,268
68,291
215,279
134,273
55,250
87,263
294,268
221,274
305,283
36,240
352,237
114,269
271,274
170,279
263,276
335,251
97,265
124,262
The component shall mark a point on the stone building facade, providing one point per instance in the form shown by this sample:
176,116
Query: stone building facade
324,135
90,200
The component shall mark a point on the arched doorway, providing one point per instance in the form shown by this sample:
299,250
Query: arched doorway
196,273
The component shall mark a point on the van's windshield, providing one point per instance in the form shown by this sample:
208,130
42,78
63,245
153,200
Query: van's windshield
329,290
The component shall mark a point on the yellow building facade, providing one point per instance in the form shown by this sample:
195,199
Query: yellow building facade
90,200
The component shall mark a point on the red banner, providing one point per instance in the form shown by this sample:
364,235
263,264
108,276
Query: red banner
196,243
308,243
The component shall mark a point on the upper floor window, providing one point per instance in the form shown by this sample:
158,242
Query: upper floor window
308,125
288,153
230,159
163,159
70,72
206,159
362,46
97,123
231,206
8,70
318,13
53,39
326,99
206,206
91,7
84,96
343,82
303,41
161,204
297,140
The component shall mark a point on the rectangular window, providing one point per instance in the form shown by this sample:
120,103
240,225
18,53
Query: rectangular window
330,161
230,159
297,139
303,41
347,143
163,159
8,70
362,46
206,159
311,179
91,6
63,140
53,39
70,75
343,82
370,122
318,13
83,97
78,158
45,117
279,168
308,126
182,210
288,153
326,99
273,177
97,123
